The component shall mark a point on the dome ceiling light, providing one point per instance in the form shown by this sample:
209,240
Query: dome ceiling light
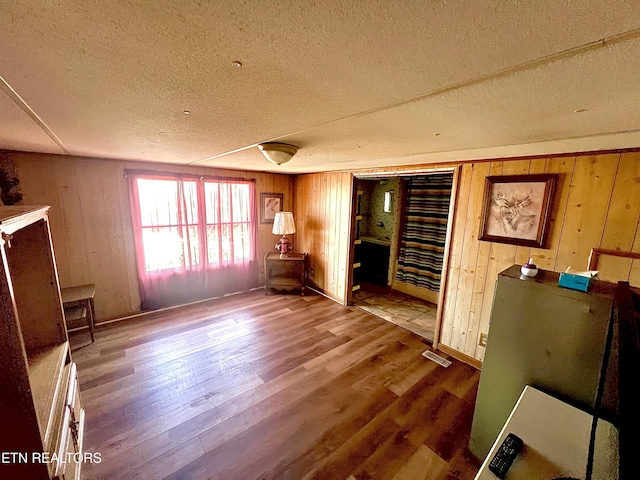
278,153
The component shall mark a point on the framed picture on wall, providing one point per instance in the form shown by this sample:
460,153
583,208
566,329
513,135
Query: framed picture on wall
270,203
517,209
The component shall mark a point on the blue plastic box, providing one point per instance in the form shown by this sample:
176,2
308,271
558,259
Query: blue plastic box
574,282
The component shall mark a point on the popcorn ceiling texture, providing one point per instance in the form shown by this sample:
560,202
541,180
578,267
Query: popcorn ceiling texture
353,84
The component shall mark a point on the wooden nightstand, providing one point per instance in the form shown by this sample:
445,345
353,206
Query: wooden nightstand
286,273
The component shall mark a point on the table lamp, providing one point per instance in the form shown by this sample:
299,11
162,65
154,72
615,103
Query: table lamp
283,225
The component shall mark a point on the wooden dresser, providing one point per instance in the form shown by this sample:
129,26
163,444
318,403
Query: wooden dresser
41,417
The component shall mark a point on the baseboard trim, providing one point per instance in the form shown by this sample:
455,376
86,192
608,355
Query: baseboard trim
460,356
320,291
143,313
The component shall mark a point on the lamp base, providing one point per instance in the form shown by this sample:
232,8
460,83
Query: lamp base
284,246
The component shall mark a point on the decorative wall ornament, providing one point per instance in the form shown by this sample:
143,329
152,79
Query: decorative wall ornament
517,209
9,191
270,204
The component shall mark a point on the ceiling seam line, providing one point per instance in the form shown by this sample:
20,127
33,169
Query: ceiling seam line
18,100
568,53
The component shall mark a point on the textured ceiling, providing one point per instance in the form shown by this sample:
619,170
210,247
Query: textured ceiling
355,84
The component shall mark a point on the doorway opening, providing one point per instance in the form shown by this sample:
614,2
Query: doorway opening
400,238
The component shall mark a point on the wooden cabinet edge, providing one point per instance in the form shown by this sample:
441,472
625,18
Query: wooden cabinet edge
46,376
38,361
14,218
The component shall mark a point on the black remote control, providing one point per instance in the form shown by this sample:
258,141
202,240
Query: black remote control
505,455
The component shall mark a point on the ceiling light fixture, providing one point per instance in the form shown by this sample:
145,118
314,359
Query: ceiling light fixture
236,63
278,153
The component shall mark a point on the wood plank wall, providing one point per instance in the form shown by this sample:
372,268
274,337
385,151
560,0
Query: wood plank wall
323,221
597,204
91,219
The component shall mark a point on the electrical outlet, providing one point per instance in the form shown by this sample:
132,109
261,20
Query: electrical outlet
311,272
483,340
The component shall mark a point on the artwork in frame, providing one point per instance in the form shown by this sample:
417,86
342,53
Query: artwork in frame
270,203
517,209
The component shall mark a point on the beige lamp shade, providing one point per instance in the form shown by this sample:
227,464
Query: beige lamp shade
283,224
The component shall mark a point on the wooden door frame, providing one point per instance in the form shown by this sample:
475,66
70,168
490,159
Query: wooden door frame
447,253
348,298
409,172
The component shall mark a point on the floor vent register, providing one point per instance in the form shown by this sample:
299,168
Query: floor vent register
436,358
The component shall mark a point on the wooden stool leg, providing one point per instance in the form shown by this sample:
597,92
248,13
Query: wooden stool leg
91,316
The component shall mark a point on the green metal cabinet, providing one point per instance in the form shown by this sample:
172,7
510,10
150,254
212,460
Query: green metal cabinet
542,335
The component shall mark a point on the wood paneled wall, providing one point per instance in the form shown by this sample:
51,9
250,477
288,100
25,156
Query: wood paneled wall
323,221
91,219
597,204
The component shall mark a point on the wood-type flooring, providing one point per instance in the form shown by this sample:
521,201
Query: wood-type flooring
271,387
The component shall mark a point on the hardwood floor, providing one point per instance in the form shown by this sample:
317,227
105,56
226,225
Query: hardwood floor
271,387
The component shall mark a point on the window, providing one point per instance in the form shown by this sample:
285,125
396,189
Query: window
169,223
229,222
190,223
195,237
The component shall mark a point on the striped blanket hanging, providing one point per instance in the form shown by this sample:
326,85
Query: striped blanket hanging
424,231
